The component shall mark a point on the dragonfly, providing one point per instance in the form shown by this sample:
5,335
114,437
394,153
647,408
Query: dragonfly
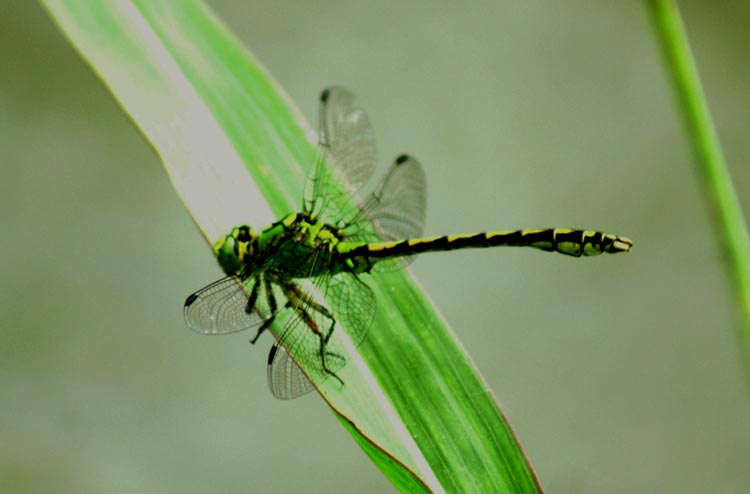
306,272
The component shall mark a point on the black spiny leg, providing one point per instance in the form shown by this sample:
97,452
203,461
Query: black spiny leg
253,298
316,307
270,299
297,299
323,341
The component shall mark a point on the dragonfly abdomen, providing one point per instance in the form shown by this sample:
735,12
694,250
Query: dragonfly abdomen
564,240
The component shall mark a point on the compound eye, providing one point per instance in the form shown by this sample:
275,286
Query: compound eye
227,253
244,233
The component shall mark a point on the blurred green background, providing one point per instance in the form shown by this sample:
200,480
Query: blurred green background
619,374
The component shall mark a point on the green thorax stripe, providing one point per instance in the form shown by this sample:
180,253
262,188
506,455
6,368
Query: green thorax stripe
564,240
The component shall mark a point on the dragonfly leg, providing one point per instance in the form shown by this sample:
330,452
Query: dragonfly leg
253,298
324,359
272,305
262,328
323,340
301,302
320,309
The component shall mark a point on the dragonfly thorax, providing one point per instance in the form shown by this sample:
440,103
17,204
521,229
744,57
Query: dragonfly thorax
299,246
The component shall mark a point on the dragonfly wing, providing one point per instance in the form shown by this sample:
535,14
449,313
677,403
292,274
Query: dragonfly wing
285,378
299,356
346,155
395,211
295,362
310,348
398,206
226,306
353,304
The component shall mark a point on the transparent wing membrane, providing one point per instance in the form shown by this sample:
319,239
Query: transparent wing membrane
396,210
222,307
310,347
398,205
285,377
346,155
353,304
295,361
309,333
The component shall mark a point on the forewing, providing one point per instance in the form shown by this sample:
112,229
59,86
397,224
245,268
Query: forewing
346,155
222,307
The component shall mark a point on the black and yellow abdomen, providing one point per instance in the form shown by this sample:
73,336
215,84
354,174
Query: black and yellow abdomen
567,241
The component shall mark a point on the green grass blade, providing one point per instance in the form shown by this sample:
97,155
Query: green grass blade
237,151
726,211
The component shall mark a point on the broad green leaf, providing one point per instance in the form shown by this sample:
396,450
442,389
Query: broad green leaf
237,151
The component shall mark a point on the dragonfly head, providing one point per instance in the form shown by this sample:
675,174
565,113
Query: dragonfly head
235,249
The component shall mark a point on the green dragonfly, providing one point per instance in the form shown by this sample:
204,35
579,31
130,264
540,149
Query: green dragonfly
305,272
